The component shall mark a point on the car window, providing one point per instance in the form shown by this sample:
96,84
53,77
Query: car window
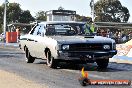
50,30
66,29
41,30
35,30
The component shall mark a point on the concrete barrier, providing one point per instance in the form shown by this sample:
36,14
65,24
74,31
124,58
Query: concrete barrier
124,53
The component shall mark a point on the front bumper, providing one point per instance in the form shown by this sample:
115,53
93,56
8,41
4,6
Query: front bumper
90,55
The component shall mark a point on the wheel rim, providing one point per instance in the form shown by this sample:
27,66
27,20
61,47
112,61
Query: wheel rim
26,55
49,59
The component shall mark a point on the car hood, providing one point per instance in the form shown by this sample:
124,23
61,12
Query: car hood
82,39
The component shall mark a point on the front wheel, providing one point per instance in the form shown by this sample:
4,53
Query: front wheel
51,62
102,63
29,58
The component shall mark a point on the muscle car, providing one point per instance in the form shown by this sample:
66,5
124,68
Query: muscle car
66,41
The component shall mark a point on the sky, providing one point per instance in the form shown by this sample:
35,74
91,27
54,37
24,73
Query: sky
80,6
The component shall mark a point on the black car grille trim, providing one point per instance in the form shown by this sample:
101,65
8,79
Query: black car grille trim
88,47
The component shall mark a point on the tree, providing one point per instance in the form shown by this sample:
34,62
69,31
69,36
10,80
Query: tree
83,18
15,14
111,11
25,17
41,15
1,18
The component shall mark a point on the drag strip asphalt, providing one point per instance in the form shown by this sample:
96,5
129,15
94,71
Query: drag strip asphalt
66,76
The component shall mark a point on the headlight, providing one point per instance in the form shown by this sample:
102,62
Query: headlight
106,47
58,47
65,47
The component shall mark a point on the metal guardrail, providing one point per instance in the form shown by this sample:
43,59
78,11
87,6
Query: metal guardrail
113,25
121,27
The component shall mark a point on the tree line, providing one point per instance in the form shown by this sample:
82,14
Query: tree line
16,15
111,11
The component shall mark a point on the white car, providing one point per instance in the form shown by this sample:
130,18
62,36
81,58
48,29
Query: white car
66,41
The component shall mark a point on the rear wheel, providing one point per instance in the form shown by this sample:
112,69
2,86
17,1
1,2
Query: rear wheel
51,62
29,58
102,63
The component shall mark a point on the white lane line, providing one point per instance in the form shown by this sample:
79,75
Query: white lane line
90,75
7,54
5,51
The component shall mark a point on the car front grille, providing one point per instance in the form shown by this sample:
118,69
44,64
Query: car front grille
88,47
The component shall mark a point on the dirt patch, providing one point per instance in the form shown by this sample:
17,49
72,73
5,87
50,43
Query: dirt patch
11,80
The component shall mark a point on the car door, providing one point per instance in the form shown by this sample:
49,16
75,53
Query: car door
32,41
40,42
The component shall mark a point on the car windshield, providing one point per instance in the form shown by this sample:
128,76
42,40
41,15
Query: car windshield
67,29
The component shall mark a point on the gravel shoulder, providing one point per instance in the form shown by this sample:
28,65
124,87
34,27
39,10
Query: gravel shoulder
11,80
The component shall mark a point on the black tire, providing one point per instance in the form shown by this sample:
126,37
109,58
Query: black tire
51,62
102,63
73,65
29,58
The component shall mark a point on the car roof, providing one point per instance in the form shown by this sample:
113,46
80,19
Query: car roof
58,22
